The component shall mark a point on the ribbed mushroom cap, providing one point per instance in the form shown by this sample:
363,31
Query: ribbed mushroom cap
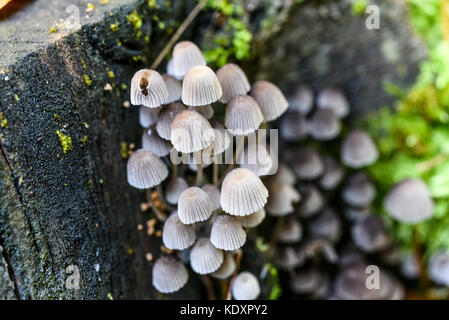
334,100
169,274
222,140
307,281
284,175
213,193
358,190
438,268
176,235
293,126
358,150
350,284
233,82
171,72
270,99
166,116
148,116
200,87
290,230
148,89
191,132
282,198
301,99
186,55
311,203
194,205
252,220
286,258
326,225
242,193
199,157
255,157
243,115
333,174
174,88
204,257
174,189
324,125
409,201
151,141
206,111
227,268
245,286
370,234
308,164
145,170
354,214
227,234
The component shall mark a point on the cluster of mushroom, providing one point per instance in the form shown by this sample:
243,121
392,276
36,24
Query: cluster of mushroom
316,195
208,227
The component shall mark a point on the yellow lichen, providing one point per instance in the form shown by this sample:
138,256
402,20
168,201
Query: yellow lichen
114,27
53,30
124,150
111,74
65,140
3,121
83,139
104,1
90,7
87,79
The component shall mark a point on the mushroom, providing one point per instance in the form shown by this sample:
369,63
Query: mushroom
284,175
307,281
148,116
326,225
173,88
311,203
243,115
286,258
255,157
200,87
204,257
227,268
169,274
214,195
171,72
245,286
301,100
194,205
174,189
308,164
358,150
270,99
333,174
242,193
359,191
177,235
438,268
282,198
166,116
290,230
148,89
151,141
233,82
333,99
324,125
409,201
227,234
145,170
410,268
186,55
293,126
252,220
206,111
370,234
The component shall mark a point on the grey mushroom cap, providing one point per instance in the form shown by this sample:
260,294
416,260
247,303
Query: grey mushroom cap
270,99
282,198
169,274
410,268
194,205
204,257
222,140
233,82
245,286
284,175
166,117
243,115
370,234
307,281
148,116
301,99
312,201
214,194
290,230
176,235
257,158
316,247
308,165
324,125
174,88
358,150
359,190
174,189
293,126
286,258
148,89
335,100
333,174
153,142
227,234
353,214
206,111
145,170
186,55
438,268
171,72
409,201
200,87
326,225
252,220
242,193
227,268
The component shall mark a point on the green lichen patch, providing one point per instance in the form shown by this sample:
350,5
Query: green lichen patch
3,121
87,79
65,140
114,27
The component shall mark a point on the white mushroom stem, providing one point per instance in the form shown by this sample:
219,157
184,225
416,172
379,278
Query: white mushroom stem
215,171
238,151
199,175
238,257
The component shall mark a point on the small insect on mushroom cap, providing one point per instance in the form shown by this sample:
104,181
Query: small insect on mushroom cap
358,150
233,82
227,234
194,205
148,89
245,286
242,193
270,99
243,115
169,274
200,87
204,257
173,88
145,170
227,268
335,100
186,55
176,235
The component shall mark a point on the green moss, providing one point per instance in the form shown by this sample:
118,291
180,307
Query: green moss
111,74
152,4
114,27
87,79
124,150
3,121
135,20
358,7
83,139
65,140
16,97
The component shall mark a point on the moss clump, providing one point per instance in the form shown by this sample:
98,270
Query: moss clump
114,27
87,79
358,7
124,150
53,30
111,74
3,121
65,140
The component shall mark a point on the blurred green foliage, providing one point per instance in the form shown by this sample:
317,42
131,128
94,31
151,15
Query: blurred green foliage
413,139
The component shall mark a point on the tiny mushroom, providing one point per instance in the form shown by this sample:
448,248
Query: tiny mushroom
245,286
148,89
145,170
